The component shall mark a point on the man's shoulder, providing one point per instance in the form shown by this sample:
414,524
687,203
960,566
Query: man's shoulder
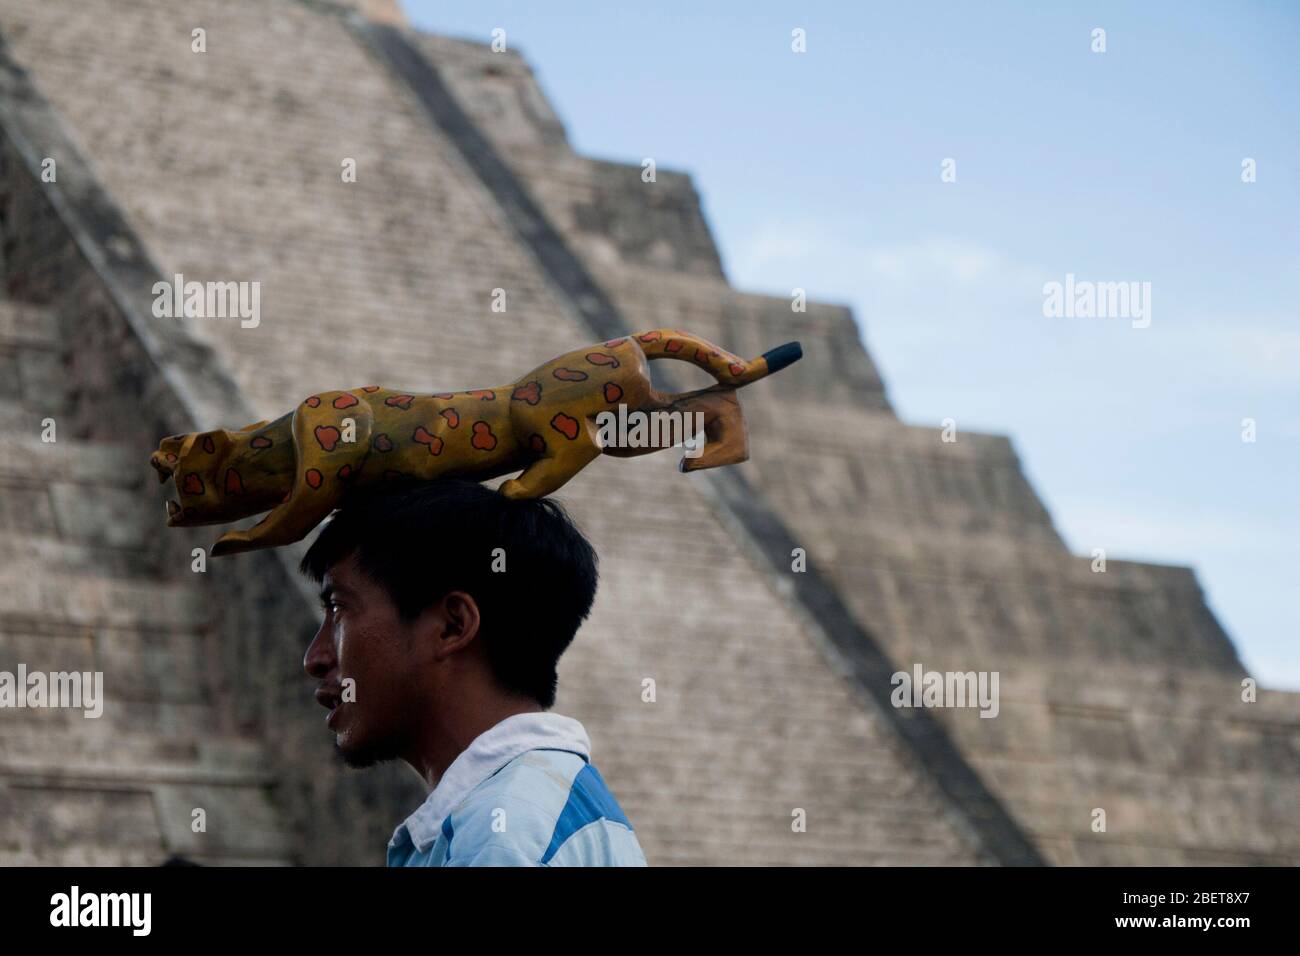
520,803
544,808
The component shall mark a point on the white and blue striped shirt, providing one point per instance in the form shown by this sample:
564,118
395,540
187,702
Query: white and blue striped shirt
524,793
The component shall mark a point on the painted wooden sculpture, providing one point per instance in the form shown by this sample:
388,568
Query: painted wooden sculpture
300,465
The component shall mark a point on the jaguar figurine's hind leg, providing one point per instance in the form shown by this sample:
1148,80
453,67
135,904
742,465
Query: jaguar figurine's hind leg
726,438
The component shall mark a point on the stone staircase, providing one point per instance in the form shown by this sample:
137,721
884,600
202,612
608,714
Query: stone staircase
80,591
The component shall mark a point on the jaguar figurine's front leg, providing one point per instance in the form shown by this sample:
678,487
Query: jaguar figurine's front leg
331,433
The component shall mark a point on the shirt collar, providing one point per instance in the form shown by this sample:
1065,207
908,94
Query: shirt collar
488,753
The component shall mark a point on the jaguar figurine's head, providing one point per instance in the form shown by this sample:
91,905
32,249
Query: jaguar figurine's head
223,476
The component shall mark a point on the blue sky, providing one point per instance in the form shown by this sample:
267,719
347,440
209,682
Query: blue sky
822,170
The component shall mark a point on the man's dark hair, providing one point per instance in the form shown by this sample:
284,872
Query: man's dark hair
421,542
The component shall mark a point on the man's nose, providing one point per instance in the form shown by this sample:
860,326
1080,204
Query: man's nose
319,659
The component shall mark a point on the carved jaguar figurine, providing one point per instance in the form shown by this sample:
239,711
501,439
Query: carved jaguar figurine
300,465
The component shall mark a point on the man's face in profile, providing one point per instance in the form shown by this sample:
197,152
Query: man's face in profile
361,656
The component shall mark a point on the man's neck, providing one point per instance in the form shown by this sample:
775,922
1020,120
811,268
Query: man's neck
448,735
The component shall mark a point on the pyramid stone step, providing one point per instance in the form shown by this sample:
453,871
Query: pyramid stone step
100,753
77,511
238,821
69,823
143,665
33,388
33,377
26,509
76,826
25,459
70,651
119,517
119,558
28,326
152,665
73,599
18,417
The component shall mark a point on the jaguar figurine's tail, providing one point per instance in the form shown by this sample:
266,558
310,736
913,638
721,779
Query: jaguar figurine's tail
730,370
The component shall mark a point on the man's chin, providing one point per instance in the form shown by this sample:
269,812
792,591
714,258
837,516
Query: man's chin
359,755
354,758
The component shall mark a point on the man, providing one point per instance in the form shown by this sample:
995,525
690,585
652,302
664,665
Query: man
447,607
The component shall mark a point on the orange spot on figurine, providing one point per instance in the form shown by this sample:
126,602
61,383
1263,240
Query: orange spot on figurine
423,437
530,393
327,436
483,438
566,425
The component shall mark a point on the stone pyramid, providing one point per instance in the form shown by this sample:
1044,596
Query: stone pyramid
1119,691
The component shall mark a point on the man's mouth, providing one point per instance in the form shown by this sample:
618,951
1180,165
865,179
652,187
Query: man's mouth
330,698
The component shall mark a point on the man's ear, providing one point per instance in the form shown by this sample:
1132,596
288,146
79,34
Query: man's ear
457,620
